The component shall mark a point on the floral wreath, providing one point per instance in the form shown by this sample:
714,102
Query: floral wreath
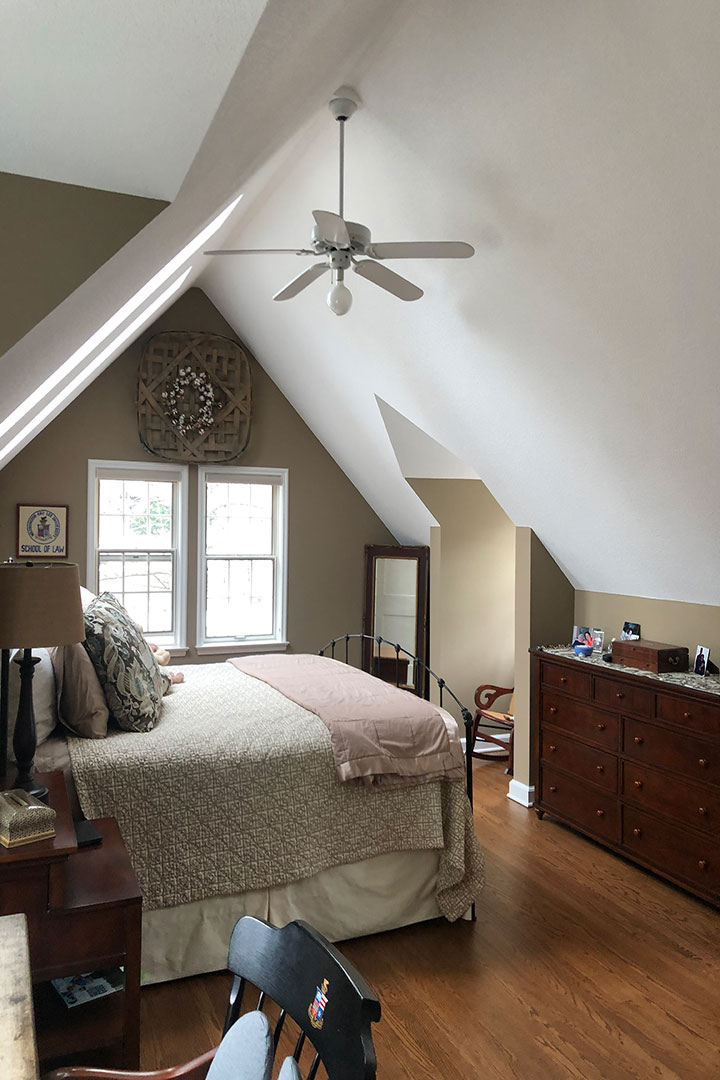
176,399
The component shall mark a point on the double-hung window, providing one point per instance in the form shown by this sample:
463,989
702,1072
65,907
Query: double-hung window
137,542
242,541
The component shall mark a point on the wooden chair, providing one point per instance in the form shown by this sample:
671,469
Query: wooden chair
310,981
493,724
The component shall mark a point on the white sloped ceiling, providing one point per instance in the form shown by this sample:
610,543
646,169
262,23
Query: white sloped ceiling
572,362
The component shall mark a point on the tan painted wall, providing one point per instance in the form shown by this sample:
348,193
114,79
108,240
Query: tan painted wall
54,236
661,620
329,522
472,585
544,600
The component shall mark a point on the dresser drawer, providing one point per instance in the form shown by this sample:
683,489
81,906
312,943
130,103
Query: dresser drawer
679,852
561,752
585,721
688,803
690,715
658,746
578,683
621,696
596,811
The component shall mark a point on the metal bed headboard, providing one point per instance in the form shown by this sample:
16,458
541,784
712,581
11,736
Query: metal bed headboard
428,673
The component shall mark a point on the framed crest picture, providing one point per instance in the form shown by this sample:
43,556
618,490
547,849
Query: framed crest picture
42,532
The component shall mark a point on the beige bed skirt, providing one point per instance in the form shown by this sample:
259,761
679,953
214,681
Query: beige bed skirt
361,898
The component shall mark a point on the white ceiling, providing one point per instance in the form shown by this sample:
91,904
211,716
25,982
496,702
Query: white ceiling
571,363
115,95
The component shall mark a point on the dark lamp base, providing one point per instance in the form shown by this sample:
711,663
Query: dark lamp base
33,788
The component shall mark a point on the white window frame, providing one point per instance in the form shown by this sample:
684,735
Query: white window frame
278,478
99,469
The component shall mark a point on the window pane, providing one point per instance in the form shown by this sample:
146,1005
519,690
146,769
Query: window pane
240,599
239,519
110,500
160,573
159,613
111,530
135,514
143,583
136,605
110,575
136,573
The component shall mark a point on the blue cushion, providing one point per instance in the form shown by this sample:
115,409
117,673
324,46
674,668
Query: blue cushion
246,1052
289,1070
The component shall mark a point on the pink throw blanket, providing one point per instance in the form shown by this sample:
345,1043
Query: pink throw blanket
380,735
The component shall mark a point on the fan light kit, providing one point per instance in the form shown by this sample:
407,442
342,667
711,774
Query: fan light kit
342,244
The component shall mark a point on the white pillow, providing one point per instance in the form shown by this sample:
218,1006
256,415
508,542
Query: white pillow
44,698
86,597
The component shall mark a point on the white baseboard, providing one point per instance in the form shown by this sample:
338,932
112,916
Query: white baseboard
521,793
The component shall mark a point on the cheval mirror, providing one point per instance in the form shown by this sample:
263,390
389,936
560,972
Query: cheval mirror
396,609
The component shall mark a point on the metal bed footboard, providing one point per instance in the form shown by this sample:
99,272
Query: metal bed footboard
343,643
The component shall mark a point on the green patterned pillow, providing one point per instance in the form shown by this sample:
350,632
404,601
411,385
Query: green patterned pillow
125,664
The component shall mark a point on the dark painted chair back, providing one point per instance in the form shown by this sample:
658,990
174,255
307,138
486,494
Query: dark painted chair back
314,984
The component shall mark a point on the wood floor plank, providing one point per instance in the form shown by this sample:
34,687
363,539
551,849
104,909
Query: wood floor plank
580,966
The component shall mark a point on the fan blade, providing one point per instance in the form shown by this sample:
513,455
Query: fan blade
387,279
261,251
301,281
332,228
433,249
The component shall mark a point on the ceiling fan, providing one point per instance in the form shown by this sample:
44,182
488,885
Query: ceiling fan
344,244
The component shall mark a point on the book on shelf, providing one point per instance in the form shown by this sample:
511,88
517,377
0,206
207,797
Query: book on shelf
79,989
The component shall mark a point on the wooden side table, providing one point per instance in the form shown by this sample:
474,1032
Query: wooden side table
83,908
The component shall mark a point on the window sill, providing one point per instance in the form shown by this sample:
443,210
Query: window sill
236,647
177,650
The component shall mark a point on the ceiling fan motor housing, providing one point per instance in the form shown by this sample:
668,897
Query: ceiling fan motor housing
360,239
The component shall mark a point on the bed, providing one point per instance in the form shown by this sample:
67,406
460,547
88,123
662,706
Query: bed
232,805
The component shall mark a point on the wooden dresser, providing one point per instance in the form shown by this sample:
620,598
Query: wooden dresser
632,761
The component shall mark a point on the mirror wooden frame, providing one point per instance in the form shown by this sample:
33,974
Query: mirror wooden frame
373,552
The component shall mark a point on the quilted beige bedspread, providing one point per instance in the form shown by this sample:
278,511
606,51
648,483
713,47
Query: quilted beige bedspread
236,789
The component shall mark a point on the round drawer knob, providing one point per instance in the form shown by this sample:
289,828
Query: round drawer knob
600,768
553,709
687,716
702,810
638,783
601,727
600,813
619,695
563,678
638,740
553,787
552,748
637,832
703,763
703,864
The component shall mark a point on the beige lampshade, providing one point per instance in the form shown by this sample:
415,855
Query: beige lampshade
40,605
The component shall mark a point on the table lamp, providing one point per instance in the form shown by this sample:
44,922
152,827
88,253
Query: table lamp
40,606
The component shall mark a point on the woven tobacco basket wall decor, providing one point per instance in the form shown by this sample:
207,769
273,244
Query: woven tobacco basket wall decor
194,398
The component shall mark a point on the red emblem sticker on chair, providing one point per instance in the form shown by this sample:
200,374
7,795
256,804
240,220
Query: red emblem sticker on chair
316,1011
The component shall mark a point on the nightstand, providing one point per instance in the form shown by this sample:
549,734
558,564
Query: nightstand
83,909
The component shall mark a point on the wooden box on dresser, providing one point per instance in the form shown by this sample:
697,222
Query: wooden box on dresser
632,760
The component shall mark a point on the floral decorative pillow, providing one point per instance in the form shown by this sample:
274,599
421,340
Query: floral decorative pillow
125,664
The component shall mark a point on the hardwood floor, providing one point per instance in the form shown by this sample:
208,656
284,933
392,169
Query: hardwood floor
579,966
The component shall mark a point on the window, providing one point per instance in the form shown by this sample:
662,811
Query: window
137,541
242,543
